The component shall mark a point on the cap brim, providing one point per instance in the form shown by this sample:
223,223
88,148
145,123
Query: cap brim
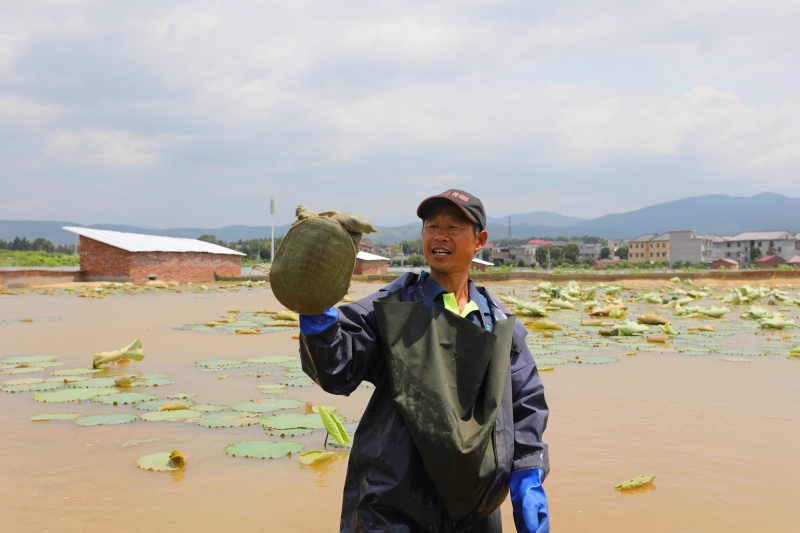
430,202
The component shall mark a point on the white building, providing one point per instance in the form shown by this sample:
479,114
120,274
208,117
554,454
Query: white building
739,247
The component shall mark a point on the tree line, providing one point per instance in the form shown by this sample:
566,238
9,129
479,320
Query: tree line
37,245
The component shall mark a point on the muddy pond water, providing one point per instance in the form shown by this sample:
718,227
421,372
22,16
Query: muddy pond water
720,429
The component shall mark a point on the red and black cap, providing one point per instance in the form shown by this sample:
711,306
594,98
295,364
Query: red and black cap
469,205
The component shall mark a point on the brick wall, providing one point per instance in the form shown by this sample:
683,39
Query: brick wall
370,267
103,262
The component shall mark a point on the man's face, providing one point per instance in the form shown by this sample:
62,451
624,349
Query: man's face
449,241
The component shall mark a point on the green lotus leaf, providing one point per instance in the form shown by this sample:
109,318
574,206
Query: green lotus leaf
28,369
595,360
153,405
736,360
209,408
28,359
72,395
263,449
156,462
125,398
182,414
265,405
227,420
294,420
54,416
66,379
272,388
333,425
293,432
551,360
93,382
271,359
569,347
181,395
75,371
22,381
635,482
295,364
32,387
315,456
135,442
541,351
632,328
105,420
296,382
145,381
219,364
668,329
133,351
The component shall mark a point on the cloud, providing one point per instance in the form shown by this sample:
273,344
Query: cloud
565,107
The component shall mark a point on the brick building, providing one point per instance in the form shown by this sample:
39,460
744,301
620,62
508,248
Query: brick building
769,261
116,256
367,263
725,263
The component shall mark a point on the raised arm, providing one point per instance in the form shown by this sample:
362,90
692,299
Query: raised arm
340,348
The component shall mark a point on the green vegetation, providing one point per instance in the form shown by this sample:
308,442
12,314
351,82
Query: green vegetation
10,258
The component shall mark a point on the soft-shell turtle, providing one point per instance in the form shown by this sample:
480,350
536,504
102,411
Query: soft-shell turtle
314,263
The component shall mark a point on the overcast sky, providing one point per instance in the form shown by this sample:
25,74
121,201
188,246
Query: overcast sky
179,113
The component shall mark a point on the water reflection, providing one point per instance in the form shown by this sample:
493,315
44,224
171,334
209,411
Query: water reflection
650,487
325,468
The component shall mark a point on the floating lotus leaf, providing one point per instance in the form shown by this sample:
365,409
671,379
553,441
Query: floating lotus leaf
209,408
75,371
283,433
315,456
333,426
105,420
183,414
176,459
145,381
595,360
220,364
658,338
272,388
254,373
263,449
157,462
154,405
173,405
136,442
634,482
265,405
294,420
181,395
307,382
542,351
544,325
29,359
133,351
551,361
736,360
93,382
125,398
22,381
714,312
22,369
227,420
652,319
693,350
632,328
569,347
295,365
295,375
72,395
668,329
54,416
32,387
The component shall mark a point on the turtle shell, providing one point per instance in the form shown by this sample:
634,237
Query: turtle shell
313,265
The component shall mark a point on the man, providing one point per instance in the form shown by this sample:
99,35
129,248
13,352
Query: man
458,412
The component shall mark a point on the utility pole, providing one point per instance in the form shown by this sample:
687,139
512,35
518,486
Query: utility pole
509,226
272,238
548,258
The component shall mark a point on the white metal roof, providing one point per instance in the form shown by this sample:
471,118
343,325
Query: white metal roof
136,242
481,262
365,256
762,236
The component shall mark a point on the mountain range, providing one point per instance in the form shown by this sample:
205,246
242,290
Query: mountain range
710,214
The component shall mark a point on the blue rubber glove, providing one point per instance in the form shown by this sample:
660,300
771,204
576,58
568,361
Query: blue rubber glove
316,324
529,500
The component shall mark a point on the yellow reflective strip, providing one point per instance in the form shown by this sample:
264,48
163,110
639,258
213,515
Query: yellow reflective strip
451,305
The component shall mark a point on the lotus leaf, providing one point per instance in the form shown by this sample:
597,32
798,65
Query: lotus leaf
561,304
569,347
209,408
183,414
595,360
736,360
592,322
795,351
75,371
266,405
608,332
551,361
315,456
271,359
263,449
632,328
72,395
22,381
776,322
333,425
296,382
124,398
714,312
290,316
105,420
295,375
658,338
176,460
93,382
272,388
157,462
544,325
32,387
634,482
22,369
136,442
28,359
133,351
181,395
220,364
668,329
227,420
294,420
652,319
692,329
154,405
173,405
54,416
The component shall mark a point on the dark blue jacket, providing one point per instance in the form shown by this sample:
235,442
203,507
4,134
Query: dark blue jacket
387,487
